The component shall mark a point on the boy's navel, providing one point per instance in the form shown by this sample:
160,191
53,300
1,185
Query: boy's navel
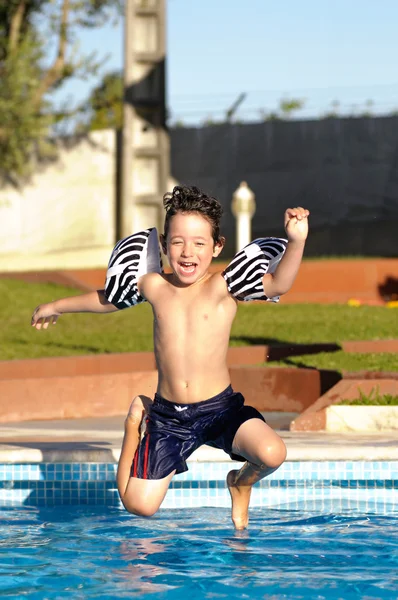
205,317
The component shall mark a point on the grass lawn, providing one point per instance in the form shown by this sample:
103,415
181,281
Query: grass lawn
131,330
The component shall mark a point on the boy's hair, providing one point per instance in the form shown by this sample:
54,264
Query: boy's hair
184,199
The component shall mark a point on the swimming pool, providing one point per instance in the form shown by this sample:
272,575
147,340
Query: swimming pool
317,530
102,552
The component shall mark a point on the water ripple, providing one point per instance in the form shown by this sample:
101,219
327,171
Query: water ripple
97,552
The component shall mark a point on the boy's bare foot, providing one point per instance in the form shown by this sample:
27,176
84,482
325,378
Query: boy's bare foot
240,497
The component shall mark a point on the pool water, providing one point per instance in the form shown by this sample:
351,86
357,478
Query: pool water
103,552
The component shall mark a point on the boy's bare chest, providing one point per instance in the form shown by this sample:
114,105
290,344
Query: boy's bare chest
197,312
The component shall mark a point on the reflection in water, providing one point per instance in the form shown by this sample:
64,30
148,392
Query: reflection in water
140,568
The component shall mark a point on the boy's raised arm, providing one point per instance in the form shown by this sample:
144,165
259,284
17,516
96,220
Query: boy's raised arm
94,302
267,267
296,226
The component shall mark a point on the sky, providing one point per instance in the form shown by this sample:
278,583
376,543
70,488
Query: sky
319,51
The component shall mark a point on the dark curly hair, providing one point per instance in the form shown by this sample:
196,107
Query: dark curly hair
184,199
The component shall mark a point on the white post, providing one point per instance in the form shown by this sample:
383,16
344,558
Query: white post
243,209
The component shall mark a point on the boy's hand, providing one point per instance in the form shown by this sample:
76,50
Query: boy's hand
43,315
296,224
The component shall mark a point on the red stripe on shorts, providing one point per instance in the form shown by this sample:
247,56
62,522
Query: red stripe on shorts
135,462
146,457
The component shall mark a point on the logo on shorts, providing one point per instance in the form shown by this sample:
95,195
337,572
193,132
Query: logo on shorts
180,408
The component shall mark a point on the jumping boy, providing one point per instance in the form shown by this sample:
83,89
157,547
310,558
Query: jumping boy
193,312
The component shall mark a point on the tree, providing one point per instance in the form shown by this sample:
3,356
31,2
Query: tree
29,29
105,104
288,106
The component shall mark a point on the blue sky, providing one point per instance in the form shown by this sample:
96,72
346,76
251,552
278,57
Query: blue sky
317,50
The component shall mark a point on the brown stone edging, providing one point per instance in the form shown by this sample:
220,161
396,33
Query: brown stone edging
103,385
74,366
95,395
370,346
70,366
313,418
100,394
371,375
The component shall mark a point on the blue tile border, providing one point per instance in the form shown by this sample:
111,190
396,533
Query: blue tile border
308,470
204,484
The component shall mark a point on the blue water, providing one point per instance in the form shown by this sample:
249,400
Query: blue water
97,552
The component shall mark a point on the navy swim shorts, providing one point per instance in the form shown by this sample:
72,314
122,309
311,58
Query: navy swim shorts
174,431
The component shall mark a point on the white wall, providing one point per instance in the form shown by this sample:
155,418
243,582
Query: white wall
65,217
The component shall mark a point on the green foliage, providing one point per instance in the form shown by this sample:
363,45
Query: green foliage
106,103
22,124
372,399
288,106
29,30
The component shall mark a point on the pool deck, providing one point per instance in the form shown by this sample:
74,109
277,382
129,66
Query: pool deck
99,440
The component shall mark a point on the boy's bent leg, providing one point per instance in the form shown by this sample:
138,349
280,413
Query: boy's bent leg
265,451
139,496
130,443
143,497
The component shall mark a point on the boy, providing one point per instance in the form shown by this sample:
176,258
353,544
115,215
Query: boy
193,313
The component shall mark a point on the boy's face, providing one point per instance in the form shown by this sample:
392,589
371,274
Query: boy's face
190,247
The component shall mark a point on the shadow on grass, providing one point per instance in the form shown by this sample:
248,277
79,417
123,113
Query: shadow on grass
60,345
280,349
389,289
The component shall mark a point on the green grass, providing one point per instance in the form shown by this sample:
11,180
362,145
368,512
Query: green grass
131,330
74,334
373,399
312,323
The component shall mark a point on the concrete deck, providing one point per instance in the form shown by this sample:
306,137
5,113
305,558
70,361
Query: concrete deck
99,440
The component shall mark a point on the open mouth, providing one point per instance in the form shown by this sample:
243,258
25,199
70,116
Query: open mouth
187,268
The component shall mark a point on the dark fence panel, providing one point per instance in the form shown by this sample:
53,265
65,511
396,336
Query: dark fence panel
344,170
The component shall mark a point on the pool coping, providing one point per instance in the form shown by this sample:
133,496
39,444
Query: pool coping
99,440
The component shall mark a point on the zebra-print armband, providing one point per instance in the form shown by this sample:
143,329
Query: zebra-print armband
131,258
244,274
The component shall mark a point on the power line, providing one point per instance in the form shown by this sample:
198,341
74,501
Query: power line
284,92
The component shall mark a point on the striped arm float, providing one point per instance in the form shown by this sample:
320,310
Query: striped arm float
131,258
245,272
